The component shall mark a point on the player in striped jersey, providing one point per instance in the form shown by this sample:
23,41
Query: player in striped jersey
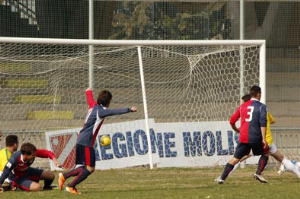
289,165
253,116
85,153
26,177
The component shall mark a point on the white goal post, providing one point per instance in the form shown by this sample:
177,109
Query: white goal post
187,88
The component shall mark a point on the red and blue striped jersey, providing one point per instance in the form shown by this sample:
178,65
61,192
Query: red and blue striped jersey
95,118
19,167
253,115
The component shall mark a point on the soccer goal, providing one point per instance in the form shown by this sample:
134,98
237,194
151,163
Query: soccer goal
185,92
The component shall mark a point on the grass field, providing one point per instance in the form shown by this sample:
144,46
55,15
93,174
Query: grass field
170,183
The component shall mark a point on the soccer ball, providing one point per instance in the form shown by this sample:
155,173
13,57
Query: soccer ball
105,140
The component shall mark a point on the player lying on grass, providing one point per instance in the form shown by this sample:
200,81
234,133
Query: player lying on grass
85,153
289,165
26,177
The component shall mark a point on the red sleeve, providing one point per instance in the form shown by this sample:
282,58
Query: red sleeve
90,98
41,153
234,118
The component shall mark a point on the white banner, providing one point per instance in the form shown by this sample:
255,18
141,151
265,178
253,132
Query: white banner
129,146
196,144
189,144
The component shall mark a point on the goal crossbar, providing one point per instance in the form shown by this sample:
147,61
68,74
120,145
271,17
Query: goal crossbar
128,42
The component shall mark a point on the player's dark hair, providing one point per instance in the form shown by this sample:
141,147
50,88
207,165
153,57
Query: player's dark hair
28,149
10,140
104,98
254,91
246,97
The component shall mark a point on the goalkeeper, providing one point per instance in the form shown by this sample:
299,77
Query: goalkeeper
85,153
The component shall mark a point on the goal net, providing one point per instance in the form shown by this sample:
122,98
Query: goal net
183,89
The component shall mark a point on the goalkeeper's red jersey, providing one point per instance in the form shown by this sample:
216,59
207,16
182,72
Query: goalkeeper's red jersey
253,115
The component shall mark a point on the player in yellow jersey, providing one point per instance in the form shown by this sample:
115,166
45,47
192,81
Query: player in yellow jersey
11,142
287,165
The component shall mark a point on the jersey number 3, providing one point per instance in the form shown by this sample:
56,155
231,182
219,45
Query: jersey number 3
250,112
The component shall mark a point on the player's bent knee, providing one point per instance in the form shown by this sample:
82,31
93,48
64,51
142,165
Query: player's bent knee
35,186
47,175
90,169
233,161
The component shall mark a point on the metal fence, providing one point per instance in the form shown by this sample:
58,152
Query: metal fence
287,141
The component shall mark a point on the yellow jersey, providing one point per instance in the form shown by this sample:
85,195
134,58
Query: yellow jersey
270,120
5,154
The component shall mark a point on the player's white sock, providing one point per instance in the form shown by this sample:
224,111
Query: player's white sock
234,168
291,167
296,163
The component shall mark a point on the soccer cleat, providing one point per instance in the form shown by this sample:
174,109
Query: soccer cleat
219,180
282,169
52,187
260,178
6,186
61,181
72,190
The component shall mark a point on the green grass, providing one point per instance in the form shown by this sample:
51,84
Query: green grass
172,183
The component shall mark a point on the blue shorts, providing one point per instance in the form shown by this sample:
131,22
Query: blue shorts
243,149
32,175
85,155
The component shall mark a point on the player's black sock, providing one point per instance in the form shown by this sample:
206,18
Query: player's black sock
47,184
226,171
81,177
73,172
262,163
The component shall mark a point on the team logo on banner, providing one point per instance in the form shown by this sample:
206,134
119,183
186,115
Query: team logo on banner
63,147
